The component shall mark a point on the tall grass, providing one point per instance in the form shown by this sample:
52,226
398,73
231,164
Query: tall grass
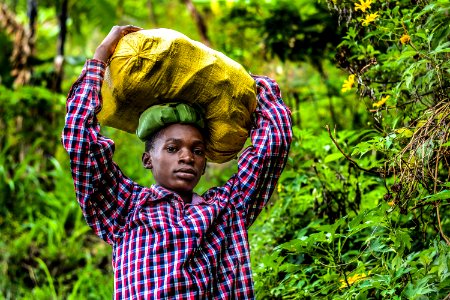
46,251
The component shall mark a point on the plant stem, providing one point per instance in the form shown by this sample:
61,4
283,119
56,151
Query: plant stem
447,240
346,155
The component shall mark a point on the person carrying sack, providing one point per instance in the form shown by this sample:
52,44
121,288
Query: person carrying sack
168,242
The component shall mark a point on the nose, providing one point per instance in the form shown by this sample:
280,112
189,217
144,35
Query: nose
186,156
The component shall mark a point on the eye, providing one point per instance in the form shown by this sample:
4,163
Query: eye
171,149
199,151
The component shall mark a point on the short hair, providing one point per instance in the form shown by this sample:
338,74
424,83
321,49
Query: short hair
150,141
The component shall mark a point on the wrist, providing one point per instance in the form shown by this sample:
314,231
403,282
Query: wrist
101,54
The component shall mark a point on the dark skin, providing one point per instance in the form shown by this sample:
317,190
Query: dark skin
177,159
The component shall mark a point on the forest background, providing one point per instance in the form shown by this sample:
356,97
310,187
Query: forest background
362,208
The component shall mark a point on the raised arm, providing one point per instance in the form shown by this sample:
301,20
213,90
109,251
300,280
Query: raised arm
261,164
102,191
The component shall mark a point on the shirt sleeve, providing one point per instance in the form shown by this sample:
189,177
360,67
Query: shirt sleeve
261,164
102,191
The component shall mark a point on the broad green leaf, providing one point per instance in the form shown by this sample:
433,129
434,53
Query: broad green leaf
423,286
331,228
442,195
443,48
443,261
333,157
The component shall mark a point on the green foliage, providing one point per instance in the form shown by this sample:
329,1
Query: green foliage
48,239
308,36
368,226
45,239
331,235
403,57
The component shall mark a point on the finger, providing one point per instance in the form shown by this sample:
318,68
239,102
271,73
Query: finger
131,28
128,29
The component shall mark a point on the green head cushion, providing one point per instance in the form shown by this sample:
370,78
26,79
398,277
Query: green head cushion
157,117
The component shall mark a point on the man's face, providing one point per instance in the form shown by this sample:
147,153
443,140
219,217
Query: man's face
177,159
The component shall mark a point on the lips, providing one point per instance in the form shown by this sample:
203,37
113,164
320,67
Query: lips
186,172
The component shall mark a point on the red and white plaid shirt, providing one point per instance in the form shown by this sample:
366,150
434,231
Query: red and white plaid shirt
162,247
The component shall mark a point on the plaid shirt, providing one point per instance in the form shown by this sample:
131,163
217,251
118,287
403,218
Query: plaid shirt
163,247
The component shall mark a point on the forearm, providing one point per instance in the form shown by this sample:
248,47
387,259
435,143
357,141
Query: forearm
89,153
81,128
261,164
273,117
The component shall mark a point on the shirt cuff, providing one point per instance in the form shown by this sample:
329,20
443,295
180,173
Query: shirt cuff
96,68
94,71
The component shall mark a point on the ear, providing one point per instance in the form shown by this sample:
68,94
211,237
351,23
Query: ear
147,160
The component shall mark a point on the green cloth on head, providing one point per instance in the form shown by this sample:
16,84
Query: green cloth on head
157,117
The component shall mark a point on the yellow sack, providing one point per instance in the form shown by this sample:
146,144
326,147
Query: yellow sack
157,66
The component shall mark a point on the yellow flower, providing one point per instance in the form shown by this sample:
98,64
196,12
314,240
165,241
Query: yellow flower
352,279
348,84
229,3
381,102
405,39
391,203
369,18
215,7
363,5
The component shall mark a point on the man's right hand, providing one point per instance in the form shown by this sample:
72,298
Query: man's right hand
108,45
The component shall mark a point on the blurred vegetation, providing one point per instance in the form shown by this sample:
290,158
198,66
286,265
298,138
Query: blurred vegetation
362,209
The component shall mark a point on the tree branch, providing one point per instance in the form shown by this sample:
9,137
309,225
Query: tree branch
347,156
440,225
199,21
59,59
23,43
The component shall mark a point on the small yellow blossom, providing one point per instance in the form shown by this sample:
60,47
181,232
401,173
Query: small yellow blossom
363,5
352,279
381,102
348,84
405,39
391,203
215,7
369,18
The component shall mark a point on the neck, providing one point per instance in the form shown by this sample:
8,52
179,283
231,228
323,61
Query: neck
187,197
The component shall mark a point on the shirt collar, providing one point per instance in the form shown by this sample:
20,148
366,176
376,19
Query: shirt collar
160,193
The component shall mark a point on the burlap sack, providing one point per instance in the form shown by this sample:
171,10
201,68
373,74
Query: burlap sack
161,65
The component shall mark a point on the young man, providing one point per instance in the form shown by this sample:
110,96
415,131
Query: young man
168,242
